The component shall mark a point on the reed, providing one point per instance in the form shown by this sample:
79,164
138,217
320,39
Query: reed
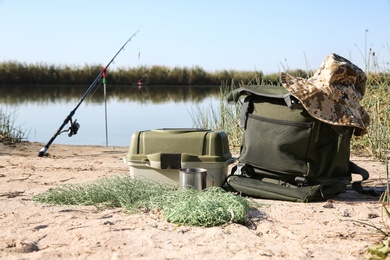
375,143
376,101
12,72
8,131
225,118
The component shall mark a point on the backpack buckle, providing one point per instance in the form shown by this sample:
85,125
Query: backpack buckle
301,181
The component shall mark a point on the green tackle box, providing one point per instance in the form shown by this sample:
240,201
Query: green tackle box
159,154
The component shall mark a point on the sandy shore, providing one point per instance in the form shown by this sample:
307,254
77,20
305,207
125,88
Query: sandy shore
336,229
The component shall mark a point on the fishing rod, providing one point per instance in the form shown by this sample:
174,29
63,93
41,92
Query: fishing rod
74,125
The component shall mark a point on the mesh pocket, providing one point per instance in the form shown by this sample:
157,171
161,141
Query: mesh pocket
276,145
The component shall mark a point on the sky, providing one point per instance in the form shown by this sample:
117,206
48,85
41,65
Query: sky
246,35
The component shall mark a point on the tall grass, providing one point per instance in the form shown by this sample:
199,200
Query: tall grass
376,142
376,101
8,131
224,118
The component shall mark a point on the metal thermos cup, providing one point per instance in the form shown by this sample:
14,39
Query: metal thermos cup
195,177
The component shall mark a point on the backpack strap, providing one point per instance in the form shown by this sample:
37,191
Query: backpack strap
357,185
244,113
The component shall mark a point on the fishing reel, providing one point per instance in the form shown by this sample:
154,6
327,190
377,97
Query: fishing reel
72,130
74,127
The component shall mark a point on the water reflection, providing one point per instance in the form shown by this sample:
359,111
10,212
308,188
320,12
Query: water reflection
41,110
19,94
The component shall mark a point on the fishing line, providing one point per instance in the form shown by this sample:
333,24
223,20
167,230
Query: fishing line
93,93
74,125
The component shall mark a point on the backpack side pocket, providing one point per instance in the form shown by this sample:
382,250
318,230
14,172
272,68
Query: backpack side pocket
276,145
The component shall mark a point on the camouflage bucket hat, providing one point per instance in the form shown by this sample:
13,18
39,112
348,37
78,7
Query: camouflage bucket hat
333,93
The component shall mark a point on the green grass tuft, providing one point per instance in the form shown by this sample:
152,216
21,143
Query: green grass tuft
117,191
210,207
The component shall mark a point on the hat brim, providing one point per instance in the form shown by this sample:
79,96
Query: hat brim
335,105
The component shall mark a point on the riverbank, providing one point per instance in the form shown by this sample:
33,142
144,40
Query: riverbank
334,229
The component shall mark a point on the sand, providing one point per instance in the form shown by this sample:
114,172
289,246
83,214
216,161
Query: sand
336,229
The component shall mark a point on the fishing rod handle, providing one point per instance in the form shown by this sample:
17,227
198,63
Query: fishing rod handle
43,151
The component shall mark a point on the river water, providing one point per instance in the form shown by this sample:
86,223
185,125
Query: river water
40,110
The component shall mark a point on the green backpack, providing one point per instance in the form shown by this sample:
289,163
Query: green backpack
286,154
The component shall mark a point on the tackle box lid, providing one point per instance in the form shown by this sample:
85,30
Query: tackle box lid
191,144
